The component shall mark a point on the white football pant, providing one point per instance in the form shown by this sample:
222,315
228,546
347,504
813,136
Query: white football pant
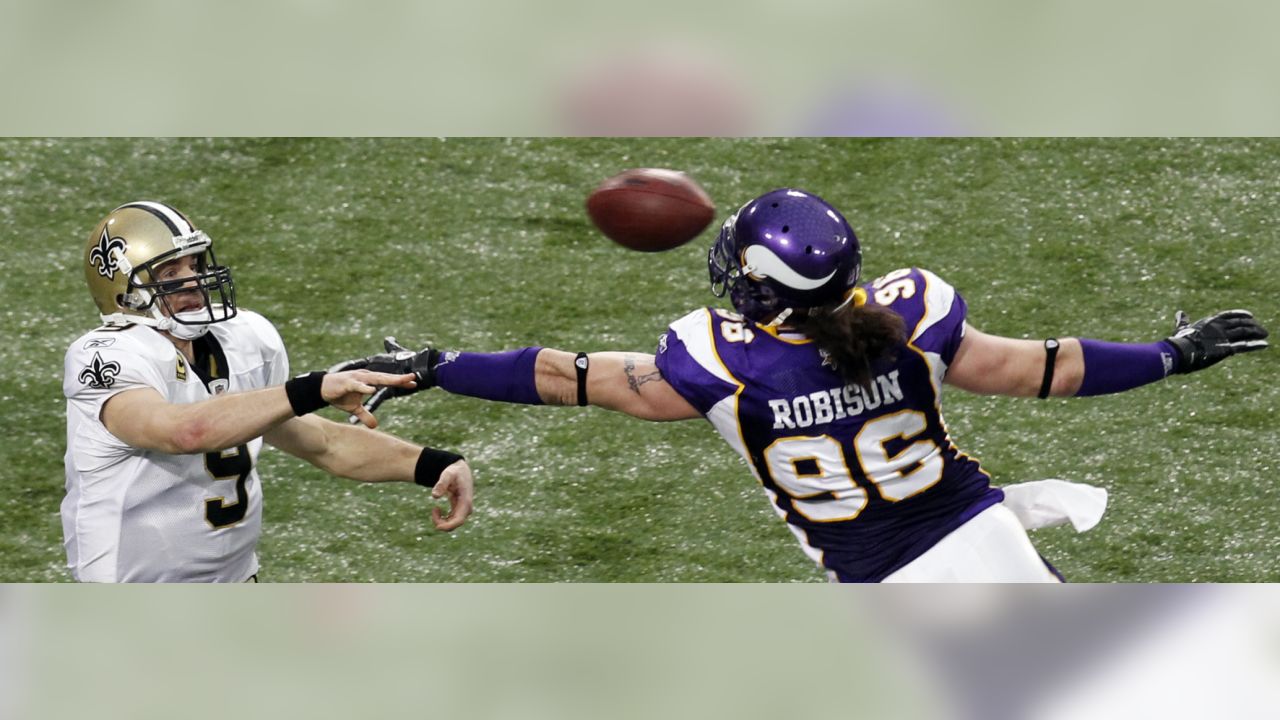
992,547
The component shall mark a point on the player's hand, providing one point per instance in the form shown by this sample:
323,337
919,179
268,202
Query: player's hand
1211,340
396,360
347,390
455,485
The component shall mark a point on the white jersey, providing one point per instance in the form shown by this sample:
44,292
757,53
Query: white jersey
134,515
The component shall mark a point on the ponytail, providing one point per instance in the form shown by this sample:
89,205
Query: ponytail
853,336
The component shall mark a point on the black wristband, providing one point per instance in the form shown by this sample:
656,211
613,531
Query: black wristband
304,393
580,364
1051,347
431,463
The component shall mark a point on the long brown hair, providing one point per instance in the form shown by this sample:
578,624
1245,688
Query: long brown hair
853,336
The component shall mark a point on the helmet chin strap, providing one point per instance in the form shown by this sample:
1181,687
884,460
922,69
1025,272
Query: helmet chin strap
185,330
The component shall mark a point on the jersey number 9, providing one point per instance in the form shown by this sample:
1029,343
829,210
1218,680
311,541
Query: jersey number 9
227,464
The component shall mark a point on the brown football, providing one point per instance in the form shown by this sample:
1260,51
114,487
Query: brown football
649,210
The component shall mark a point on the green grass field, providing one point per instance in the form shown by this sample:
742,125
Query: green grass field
484,245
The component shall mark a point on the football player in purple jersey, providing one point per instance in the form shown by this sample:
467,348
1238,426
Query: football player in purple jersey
831,391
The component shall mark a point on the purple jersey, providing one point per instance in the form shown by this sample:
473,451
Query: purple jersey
866,478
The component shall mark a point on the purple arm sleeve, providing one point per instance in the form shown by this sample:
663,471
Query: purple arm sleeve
505,376
1115,367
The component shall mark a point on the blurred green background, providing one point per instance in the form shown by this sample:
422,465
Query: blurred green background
483,244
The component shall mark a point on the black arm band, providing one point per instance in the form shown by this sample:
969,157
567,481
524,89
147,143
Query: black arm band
580,363
1050,361
304,393
431,463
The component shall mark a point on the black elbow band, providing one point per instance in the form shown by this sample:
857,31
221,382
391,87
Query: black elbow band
304,393
431,463
1051,347
581,363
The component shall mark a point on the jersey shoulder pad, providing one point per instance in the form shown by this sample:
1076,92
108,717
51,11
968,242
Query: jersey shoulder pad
257,329
931,309
251,333
107,360
690,362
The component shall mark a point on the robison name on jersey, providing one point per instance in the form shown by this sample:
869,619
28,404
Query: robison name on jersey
133,515
866,477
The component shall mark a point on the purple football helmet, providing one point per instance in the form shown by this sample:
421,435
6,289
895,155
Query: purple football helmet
787,249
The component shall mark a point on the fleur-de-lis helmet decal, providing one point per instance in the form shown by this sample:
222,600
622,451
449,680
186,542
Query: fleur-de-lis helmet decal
106,255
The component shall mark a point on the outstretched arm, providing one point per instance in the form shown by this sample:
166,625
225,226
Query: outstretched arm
626,382
994,365
144,419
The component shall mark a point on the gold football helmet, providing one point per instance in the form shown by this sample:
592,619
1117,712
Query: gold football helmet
123,254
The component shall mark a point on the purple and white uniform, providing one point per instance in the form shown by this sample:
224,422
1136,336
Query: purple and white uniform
866,478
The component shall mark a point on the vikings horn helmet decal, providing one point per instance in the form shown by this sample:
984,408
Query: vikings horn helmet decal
123,255
786,250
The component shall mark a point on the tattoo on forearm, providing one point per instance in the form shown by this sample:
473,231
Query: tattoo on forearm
635,381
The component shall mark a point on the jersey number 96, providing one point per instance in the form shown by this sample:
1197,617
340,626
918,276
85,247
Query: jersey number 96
814,471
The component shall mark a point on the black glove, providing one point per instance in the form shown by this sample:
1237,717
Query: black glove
397,360
1214,339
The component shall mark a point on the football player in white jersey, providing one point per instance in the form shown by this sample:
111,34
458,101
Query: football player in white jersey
169,402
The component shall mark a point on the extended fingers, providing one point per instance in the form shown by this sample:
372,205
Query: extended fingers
1243,329
1239,329
1243,333
386,379
356,386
